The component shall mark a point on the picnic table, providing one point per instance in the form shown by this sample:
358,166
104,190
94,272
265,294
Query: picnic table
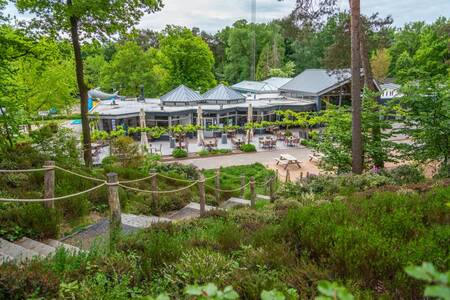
287,159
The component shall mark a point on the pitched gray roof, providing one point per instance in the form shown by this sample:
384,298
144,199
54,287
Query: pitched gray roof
277,81
316,81
222,92
254,87
181,94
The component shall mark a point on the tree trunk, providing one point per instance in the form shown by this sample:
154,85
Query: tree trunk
369,83
357,166
87,154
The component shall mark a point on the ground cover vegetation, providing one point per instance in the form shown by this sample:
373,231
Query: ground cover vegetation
362,240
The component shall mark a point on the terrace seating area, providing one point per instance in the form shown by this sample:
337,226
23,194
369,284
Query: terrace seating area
278,140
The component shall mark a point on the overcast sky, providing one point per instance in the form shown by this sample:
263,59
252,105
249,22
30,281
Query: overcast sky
212,15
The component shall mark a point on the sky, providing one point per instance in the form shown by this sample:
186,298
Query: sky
212,15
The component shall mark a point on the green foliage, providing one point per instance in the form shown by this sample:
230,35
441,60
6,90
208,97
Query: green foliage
210,291
131,66
438,283
425,110
335,141
405,174
187,59
179,153
333,291
248,148
373,238
205,152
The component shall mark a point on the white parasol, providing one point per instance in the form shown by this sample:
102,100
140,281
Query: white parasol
200,136
249,120
144,139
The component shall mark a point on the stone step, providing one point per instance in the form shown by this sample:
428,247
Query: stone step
5,258
41,248
17,252
142,221
263,197
57,244
192,210
235,202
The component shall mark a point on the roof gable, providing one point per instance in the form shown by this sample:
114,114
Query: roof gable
315,81
277,81
254,86
181,94
222,92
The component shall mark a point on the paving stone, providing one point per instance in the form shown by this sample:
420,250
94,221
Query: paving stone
57,244
263,197
41,248
235,202
19,253
142,221
192,210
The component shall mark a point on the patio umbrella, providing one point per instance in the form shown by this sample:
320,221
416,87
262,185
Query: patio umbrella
144,139
249,120
200,136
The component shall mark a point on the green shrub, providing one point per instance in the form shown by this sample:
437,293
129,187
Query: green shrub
203,152
34,281
200,266
110,160
443,171
405,174
179,153
373,239
248,148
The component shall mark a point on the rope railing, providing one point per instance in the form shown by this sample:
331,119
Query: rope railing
227,191
137,180
79,175
158,192
174,179
53,198
24,170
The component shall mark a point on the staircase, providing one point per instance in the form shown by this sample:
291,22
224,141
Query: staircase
27,249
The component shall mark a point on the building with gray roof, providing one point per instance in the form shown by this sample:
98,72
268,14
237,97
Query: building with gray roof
277,81
181,96
254,87
334,86
222,94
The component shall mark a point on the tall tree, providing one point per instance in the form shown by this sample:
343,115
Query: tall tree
187,59
357,151
380,63
86,19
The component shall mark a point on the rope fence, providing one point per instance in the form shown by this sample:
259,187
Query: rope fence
227,191
112,183
24,171
54,198
157,192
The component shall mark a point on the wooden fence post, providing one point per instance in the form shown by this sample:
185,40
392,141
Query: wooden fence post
252,192
272,189
217,186
201,194
115,218
154,183
301,176
288,176
49,182
242,191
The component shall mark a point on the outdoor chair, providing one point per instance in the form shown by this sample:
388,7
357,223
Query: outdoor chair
273,143
155,149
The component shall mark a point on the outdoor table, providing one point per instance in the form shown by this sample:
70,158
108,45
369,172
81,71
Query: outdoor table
287,160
